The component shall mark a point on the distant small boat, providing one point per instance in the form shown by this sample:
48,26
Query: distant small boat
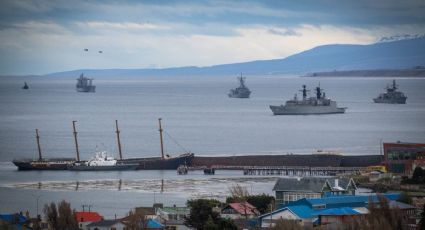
25,86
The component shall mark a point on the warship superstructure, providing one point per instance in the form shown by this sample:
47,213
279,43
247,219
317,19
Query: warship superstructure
85,84
240,92
392,96
308,105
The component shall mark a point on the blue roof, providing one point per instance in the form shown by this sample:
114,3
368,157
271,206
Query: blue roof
337,212
302,211
351,201
154,224
11,217
334,205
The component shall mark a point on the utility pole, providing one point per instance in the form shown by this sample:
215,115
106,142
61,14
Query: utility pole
76,142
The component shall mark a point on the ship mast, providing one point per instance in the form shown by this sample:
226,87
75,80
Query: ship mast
160,137
118,138
38,145
76,142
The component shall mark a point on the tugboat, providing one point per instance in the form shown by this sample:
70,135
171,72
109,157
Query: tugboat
392,96
312,105
240,92
85,84
101,162
25,86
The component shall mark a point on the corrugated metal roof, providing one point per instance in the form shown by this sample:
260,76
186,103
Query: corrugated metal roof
345,211
244,208
350,199
87,216
154,224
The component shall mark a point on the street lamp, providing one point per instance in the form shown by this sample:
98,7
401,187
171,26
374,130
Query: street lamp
37,198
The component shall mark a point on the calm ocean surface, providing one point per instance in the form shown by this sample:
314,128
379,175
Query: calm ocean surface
198,115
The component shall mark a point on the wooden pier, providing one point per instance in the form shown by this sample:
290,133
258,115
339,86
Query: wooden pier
289,170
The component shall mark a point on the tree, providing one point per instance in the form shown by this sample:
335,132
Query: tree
418,175
136,220
62,217
287,225
238,193
51,214
66,217
201,211
381,217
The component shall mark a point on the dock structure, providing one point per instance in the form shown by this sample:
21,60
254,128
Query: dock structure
288,170
301,171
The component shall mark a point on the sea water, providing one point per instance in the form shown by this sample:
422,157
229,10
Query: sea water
197,116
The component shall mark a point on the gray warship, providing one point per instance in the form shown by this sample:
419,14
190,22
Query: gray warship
312,105
392,96
85,84
240,92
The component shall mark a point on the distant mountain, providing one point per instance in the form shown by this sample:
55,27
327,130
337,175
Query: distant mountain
398,54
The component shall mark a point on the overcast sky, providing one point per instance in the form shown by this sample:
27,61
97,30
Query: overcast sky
39,37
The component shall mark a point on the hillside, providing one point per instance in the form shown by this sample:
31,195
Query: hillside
401,54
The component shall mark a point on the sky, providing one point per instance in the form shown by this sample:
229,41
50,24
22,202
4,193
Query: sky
45,36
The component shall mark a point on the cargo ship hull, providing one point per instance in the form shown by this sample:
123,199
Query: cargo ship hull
45,164
158,163
148,163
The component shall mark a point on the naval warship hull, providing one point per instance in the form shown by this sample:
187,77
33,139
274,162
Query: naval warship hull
87,89
239,95
390,101
305,110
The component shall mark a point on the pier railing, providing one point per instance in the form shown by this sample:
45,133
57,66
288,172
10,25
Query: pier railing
287,170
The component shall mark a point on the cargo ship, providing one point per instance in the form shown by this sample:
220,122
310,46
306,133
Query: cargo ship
43,163
163,162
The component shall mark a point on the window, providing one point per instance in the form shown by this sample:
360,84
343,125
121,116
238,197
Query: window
319,206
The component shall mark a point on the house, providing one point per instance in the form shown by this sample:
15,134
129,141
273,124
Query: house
106,225
173,217
85,218
241,210
307,211
13,221
333,218
290,189
153,224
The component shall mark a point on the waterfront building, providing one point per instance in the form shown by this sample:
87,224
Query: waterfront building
241,210
290,189
402,157
307,211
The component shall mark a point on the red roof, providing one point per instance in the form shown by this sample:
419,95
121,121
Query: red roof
244,208
87,216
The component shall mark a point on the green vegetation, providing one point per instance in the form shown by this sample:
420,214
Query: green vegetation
202,216
418,177
60,216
